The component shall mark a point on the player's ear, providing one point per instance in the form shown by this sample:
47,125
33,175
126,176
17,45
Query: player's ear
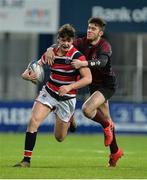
101,33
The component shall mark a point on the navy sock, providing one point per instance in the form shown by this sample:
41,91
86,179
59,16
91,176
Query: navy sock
30,141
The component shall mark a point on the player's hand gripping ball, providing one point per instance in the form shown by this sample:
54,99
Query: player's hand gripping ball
39,71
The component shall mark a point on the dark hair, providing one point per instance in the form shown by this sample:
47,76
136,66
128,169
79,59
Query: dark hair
98,22
66,31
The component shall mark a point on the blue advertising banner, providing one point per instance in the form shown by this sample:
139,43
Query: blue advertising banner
128,118
121,16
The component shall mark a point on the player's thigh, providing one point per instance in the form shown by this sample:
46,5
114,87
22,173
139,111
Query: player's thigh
40,111
94,101
60,128
104,108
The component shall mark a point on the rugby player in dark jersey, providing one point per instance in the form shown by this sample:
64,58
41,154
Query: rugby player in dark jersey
98,54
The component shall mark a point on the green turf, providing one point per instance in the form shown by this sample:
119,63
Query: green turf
78,157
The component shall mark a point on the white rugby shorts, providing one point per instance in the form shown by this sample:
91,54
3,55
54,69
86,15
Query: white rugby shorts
64,109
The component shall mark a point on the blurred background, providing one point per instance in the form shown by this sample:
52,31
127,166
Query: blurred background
29,27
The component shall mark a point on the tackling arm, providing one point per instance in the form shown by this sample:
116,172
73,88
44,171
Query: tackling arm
100,62
96,63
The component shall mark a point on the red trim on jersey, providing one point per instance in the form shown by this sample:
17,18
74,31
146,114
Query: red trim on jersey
53,87
71,52
63,78
62,66
82,58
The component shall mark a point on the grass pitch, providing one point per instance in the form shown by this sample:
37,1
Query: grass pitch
78,157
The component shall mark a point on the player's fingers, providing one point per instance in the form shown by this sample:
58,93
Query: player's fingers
74,65
74,60
61,91
33,75
25,75
49,55
29,75
50,62
60,94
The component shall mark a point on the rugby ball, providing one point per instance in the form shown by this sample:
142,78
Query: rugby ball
38,69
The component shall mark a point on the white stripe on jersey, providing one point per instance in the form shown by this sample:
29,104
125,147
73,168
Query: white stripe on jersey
63,57
61,82
61,70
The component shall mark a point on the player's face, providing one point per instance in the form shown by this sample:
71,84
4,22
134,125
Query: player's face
93,32
65,44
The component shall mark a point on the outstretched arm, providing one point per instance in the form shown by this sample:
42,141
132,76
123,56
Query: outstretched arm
98,63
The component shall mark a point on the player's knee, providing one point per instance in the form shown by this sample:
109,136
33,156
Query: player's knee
86,110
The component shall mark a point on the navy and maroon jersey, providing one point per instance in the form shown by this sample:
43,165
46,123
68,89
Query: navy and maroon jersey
101,76
62,73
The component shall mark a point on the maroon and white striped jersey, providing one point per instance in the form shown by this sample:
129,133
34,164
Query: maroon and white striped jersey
62,73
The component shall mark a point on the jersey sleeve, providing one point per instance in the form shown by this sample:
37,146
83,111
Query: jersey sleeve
43,59
80,56
106,49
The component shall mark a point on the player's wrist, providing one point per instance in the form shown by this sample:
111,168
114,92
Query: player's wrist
85,64
71,87
93,63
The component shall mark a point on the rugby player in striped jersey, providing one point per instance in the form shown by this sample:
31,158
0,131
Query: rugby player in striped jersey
59,93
